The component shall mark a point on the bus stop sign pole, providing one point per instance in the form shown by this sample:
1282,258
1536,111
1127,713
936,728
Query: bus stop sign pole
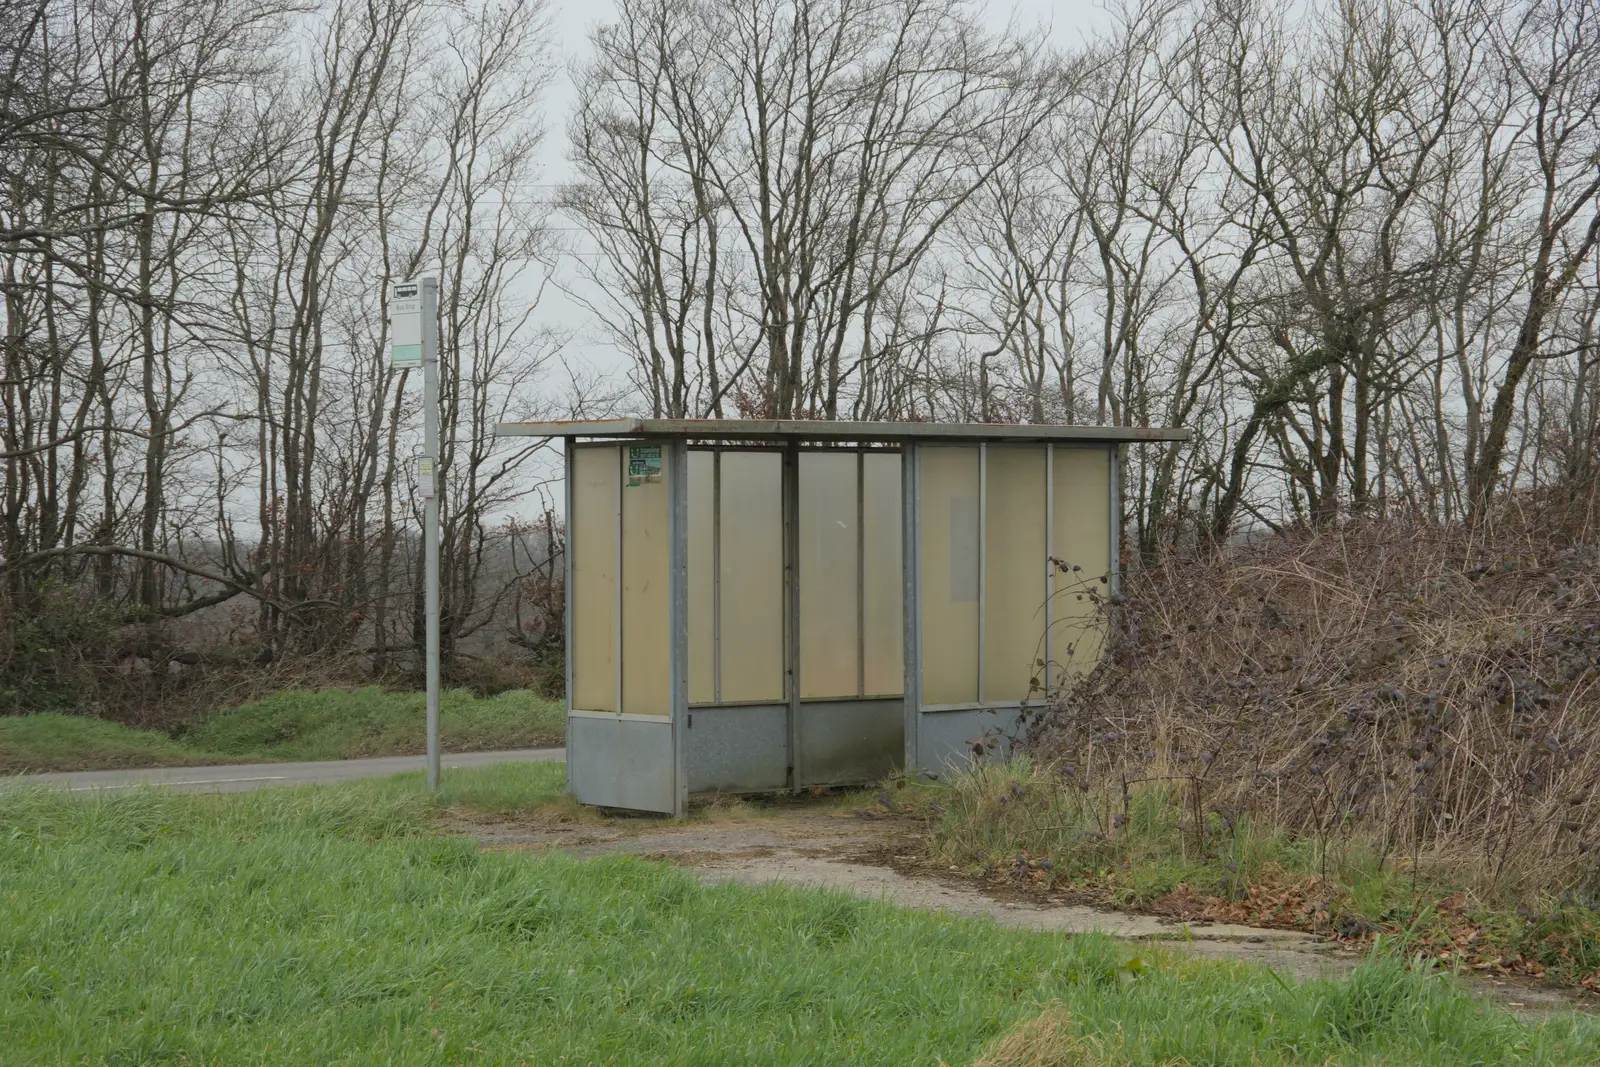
414,342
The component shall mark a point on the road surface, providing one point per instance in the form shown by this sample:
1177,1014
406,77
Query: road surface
241,777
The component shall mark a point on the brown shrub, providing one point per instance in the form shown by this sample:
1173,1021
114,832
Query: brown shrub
1434,690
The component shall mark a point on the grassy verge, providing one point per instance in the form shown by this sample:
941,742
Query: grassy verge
505,790
48,741
1033,825
292,725
350,723
313,926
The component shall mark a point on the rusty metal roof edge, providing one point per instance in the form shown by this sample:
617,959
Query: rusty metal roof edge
822,430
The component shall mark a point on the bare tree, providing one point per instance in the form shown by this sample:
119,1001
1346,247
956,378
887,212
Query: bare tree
1549,53
764,180
203,205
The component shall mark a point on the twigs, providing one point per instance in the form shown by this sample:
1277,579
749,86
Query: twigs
1386,684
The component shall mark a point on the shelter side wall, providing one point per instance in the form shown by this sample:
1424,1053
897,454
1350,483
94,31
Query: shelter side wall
597,484
1015,570
829,575
702,578
883,583
948,556
750,584
646,607
1082,539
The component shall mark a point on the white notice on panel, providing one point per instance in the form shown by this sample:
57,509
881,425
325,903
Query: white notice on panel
405,317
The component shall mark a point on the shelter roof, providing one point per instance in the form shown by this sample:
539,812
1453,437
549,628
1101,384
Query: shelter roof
825,430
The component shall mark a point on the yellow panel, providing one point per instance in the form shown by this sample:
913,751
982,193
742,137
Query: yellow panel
1015,570
830,582
646,607
702,587
883,590
596,474
1083,539
948,561
752,576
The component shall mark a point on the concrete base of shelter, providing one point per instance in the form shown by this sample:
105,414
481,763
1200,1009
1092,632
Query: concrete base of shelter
946,739
746,748
615,761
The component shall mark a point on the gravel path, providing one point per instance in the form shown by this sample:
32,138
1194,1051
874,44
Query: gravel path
857,854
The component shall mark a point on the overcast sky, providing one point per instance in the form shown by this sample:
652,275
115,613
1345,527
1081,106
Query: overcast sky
1065,21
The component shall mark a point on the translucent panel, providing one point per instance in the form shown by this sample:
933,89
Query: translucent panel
596,479
1015,570
1082,538
646,611
948,561
883,587
702,577
751,588
830,580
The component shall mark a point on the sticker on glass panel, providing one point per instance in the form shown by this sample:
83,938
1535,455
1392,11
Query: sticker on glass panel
644,464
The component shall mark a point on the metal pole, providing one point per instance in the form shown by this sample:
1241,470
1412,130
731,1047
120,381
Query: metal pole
1049,567
616,640
716,575
430,514
861,572
678,604
910,563
790,482
983,562
569,467
1115,455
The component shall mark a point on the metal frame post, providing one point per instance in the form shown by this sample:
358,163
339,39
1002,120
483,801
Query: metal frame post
430,515
791,592
861,572
1115,454
1049,567
678,602
716,575
616,619
910,572
568,450
983,565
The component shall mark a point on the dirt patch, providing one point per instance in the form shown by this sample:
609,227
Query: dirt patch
699,842
877,857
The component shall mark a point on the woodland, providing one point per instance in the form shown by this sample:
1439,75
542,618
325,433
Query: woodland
1352,246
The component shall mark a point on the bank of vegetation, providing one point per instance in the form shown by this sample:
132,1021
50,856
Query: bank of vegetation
1388,729
323,724
1350,245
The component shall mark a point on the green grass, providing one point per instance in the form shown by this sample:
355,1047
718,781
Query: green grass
47,741
334,926
1017,820
349,723
503,789
292,725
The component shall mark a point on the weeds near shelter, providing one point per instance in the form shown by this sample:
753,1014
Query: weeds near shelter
1425,690
1383,727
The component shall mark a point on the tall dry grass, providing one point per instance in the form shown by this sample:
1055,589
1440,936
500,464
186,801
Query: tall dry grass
1433,691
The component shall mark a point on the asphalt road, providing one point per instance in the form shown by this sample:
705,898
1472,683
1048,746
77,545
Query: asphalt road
241,777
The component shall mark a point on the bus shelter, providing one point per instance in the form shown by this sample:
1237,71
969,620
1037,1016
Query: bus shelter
767,605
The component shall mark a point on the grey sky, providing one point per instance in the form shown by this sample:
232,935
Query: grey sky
1066,21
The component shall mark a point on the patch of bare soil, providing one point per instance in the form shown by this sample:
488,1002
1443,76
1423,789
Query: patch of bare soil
879,857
